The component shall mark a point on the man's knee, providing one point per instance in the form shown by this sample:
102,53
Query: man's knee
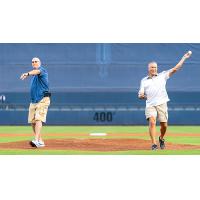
152,122
38,122
163,125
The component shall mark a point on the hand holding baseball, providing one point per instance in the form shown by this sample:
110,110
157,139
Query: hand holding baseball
188,54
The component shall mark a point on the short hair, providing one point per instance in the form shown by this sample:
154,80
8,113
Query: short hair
153,62
36,59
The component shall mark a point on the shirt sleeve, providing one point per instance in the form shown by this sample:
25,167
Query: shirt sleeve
166,74
42,71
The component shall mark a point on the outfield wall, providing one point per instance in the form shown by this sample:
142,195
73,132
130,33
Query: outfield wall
131,117
111,108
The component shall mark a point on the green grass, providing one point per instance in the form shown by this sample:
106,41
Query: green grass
84,131
73,152
76,129
87,129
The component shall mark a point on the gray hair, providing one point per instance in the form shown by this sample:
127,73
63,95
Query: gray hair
36,59
153,62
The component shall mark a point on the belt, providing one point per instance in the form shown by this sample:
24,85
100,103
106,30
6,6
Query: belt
47,94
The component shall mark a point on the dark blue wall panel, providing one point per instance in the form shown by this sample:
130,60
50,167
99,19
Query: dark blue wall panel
87,118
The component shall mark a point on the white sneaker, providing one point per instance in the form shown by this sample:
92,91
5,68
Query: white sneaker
34,143
41,143
37,144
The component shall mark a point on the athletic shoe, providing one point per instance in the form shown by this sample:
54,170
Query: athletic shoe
162,143
154,147
41,143
34,143
37,144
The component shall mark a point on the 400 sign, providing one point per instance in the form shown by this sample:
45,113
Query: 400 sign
103,116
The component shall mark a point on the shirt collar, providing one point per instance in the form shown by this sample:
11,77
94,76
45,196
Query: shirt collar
148,77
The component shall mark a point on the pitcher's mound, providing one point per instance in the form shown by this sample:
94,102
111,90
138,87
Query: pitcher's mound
96,145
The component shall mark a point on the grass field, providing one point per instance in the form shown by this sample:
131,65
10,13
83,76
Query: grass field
176,135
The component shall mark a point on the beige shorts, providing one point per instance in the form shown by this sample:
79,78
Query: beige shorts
160,111
38,111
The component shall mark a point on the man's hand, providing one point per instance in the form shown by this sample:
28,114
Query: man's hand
187,55
23,76
142,96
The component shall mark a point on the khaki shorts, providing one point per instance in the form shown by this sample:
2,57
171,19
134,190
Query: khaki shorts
38,111
160,111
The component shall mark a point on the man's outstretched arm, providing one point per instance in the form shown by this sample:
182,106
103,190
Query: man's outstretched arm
32,72
180,63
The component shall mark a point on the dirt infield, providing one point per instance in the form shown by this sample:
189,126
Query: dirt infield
96,145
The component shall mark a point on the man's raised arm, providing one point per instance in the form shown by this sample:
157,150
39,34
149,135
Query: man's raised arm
180,63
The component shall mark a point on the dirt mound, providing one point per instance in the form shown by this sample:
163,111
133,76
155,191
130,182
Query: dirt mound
96,145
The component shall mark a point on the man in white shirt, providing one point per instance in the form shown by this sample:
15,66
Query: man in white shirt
153,89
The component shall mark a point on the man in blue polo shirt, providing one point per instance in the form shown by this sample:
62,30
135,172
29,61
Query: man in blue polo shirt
40,100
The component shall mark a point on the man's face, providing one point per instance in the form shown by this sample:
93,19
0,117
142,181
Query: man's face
152,68
36,63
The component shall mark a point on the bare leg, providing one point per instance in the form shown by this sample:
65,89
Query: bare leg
152,129
40,138
33,127
163,129
38,128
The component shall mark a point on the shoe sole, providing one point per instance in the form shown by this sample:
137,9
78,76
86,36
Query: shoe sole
40,146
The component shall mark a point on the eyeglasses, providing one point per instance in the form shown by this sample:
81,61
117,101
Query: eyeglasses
34,61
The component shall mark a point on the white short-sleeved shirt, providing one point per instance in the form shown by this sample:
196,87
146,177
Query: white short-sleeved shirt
155,89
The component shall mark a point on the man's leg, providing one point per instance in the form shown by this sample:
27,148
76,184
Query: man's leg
33,127
163,118
40,117
163,129
40,138
31,120
152,129
38,128
151,115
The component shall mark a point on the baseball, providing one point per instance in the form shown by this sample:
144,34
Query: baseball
190,52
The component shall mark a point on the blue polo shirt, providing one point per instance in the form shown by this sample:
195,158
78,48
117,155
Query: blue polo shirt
39,84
